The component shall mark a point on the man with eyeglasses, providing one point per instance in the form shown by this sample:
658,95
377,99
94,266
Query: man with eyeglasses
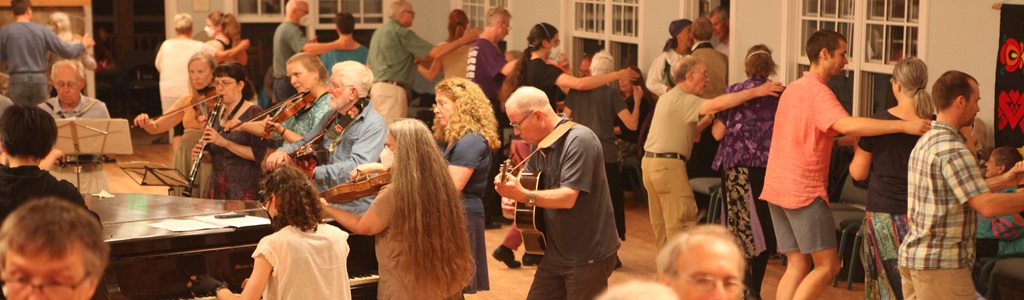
67,79
703,263
51,249
343,146
394,50
670,142
577,207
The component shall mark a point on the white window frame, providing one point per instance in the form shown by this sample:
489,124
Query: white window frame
231,6
605,34
484,5
360,24
793,55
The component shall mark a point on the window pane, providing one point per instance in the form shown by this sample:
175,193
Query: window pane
246,7
625,54
897,10
846,9
327,10
600,19
846,29
828,25
811,8
875,43
352,7
617,19
830,8
915,10
373,6
878,92
810,27
876,9
912,41
271,8
579,16
894,44
632,18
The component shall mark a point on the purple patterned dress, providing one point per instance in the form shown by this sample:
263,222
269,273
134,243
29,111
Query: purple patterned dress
234,177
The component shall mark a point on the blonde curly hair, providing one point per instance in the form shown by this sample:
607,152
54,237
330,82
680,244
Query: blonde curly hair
472,113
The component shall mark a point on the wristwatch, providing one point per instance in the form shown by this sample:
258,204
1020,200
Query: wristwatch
533,199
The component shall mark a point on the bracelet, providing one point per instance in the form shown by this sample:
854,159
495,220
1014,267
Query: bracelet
282,130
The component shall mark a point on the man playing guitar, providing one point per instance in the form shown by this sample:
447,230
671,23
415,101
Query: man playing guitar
581,240
345,141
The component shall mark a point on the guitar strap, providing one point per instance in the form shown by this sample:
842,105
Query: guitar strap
549,140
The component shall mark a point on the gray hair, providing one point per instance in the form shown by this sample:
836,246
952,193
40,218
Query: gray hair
911,74
601,63
722,13
526,99
183,23
354,74
681,244
55,227
75,66
61,25
684,66
497,14
639,290
397,7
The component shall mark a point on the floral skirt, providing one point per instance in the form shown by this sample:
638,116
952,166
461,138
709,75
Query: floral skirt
741,217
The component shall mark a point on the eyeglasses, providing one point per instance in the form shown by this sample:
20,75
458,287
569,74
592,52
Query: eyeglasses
53,290
223,83
517,124
64,84
411,13
707,283
262,198
336,87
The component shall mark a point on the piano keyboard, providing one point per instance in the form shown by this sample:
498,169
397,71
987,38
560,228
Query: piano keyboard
360,280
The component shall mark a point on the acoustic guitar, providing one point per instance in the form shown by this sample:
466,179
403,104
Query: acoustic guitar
529,219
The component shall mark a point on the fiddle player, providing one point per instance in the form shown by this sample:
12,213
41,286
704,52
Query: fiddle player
193,118
411,216
577,206
235,155
345,146
68,79
307,73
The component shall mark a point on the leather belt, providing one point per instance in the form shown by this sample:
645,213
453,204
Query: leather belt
399,84
666,155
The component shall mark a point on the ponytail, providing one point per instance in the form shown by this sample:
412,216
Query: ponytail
538,34
923,104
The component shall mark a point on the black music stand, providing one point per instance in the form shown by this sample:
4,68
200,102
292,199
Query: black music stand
154,174
92,136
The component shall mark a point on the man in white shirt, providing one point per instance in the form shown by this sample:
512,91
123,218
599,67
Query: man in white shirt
720,22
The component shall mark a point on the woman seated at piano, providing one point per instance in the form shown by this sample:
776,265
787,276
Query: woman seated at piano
192,118
302,259
465,126
409,218
236,155
307,73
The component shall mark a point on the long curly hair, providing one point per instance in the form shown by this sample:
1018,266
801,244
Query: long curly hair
472,113
430,220
297,201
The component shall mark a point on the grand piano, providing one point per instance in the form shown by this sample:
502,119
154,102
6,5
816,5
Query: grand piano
153,263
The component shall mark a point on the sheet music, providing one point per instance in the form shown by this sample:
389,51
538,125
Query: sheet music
184,225
209,222
245,221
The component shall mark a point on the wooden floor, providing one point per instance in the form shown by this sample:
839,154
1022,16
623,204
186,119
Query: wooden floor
637,252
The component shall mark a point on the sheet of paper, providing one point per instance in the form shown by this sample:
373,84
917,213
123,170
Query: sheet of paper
184,225
245,221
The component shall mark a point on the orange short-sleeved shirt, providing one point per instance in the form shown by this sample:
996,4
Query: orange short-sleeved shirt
798,161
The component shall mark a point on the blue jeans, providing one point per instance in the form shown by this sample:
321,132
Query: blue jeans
28,88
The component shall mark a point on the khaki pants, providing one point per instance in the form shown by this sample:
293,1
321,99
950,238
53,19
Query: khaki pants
937,284
672,206
390,100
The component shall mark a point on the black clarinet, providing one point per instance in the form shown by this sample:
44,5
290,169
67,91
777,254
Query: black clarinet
187,192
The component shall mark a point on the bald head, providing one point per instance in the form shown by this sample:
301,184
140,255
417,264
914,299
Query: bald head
527,99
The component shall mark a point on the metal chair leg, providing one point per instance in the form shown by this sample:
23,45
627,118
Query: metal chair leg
854,257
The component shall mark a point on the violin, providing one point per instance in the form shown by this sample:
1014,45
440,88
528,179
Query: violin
347,192
306,154
280,106
297,106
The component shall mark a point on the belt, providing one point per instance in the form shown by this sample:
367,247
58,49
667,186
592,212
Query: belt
666,155
399,84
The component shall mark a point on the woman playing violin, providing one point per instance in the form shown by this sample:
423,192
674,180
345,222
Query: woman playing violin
193,118
307,73
465,126
235,156
411,216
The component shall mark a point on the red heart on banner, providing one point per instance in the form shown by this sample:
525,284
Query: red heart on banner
1011,109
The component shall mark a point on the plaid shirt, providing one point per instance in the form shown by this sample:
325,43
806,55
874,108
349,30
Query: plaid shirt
941,177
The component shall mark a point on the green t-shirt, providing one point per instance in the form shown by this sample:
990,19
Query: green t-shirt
393,51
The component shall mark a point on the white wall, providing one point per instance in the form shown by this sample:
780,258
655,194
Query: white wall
964,36
431,21
654,18
526,13
753,22
173,7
